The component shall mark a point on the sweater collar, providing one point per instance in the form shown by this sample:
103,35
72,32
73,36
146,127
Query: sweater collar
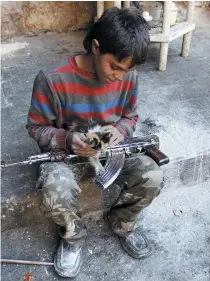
72,62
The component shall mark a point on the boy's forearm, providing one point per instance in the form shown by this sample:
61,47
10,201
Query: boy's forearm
48,137
127,125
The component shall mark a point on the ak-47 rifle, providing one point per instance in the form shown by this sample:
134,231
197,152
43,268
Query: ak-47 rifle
115,157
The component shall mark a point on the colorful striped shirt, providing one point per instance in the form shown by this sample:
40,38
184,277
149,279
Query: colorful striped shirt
62,93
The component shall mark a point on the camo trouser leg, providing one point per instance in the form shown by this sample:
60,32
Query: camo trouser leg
60,199
141,181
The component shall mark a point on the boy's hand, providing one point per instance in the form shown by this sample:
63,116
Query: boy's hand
116,136
76,142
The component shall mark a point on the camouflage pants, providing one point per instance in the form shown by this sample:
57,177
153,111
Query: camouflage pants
138,184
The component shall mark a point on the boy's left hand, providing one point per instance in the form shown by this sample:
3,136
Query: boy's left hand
116,136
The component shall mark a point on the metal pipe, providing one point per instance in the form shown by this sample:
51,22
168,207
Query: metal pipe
26,262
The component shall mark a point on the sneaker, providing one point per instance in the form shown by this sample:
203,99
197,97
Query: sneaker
136,244
67,261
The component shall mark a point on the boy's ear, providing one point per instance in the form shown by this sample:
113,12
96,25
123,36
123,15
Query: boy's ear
95,47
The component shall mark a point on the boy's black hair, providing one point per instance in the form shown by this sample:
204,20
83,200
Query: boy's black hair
122,33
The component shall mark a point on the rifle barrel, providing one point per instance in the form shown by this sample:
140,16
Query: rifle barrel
25,162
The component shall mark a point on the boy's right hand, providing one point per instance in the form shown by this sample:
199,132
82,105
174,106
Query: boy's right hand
76,142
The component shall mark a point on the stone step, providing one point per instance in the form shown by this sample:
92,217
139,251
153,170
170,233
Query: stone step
21,200
177,224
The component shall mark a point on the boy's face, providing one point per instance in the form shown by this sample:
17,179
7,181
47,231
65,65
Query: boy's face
108,69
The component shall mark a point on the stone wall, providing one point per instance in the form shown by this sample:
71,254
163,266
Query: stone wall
33,17
201,4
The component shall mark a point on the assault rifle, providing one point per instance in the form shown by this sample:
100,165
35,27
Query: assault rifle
115,157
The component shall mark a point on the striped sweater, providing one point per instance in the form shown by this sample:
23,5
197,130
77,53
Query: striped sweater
62,93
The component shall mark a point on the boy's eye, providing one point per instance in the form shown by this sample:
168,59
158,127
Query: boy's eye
114,67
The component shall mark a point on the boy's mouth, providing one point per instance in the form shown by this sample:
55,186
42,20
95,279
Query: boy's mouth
109,80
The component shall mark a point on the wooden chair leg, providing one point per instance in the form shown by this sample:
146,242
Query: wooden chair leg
163,56
187,37
166,30
100,8
126,4
186,44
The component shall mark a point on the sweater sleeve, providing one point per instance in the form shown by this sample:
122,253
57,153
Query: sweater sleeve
43,114
127,124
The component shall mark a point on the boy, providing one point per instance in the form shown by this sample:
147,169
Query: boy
101,84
